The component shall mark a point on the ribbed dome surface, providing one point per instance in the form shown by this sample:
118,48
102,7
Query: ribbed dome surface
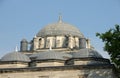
59,28
86,53
51,55
15,56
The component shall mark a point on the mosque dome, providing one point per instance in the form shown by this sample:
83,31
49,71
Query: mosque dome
83,53
51,55
15,56
59,28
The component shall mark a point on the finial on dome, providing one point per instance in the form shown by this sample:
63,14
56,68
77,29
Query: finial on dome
35,36
60,18
16,49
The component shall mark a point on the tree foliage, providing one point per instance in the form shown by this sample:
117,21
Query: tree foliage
111,38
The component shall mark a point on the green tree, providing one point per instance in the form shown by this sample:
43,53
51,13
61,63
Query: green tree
111,38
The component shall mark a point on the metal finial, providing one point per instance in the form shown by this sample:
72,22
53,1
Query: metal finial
16,49
35,36
60,18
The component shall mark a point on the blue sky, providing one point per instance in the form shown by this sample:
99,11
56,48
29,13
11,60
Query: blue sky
24,18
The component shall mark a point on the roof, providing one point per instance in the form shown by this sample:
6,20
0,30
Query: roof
89,53
59,28
51,55
86,53
15,56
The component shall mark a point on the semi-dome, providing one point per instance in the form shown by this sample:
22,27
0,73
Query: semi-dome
15,56
83,53
51,55
59,28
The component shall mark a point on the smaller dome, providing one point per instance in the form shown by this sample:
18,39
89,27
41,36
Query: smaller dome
51,55
15,56
24,40
86,53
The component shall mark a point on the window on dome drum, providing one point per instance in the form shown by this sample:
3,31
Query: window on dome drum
40,42
43,76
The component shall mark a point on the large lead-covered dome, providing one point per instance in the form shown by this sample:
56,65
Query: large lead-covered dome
59,28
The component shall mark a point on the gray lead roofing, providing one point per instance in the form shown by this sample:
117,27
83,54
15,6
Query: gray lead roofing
59,28
86,53
15,56
51,55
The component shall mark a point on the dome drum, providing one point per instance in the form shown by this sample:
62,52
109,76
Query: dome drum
58,42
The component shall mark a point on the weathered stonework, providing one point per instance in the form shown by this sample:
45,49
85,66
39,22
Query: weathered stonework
48,64
62,72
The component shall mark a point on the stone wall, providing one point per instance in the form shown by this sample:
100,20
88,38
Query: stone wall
74,73
13,65
47,64
78,71
80,62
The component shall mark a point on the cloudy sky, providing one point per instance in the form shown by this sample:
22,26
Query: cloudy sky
24,18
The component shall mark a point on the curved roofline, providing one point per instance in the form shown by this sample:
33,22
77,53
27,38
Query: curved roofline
50,55
57,28
86,53
16,57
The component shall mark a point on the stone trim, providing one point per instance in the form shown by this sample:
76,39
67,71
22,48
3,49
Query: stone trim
49,60
12,62
89,59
